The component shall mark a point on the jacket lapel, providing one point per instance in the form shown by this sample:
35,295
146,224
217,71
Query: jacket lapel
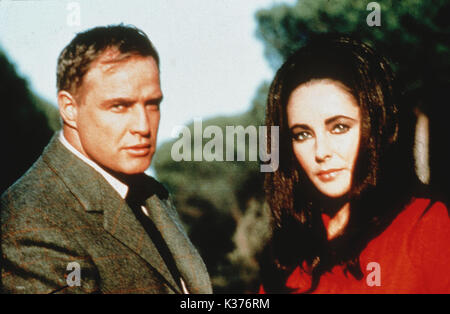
187,259
122,224
96,194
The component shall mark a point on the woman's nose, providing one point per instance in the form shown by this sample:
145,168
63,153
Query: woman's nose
323,149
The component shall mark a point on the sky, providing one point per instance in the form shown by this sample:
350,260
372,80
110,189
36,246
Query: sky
211,61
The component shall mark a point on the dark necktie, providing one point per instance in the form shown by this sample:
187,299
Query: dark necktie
136,196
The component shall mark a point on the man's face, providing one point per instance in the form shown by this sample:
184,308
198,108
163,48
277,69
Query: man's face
118,113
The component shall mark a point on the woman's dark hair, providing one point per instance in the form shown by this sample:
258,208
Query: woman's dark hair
383,175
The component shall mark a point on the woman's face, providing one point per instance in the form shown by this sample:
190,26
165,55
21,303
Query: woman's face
324,121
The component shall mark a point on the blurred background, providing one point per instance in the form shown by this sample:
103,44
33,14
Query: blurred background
217,60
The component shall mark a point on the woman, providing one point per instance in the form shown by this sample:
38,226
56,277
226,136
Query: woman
347,213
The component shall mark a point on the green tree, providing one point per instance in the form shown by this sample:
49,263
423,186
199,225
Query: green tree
414,34
27,124
213,199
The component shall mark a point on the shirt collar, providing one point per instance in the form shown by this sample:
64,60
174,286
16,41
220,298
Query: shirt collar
119,186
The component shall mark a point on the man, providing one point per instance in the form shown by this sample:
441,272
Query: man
85,218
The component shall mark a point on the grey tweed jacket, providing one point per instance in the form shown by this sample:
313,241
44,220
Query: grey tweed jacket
63,211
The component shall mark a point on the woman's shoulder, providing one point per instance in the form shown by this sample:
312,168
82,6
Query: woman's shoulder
421,231
423,214
415,247
428,241
430,221
424,221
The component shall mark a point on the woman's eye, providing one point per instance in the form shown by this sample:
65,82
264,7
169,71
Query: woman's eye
302,136
340,128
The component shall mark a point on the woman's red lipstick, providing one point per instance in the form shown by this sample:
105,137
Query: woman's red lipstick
328,175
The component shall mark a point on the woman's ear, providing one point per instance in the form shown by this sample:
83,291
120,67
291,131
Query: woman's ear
68,108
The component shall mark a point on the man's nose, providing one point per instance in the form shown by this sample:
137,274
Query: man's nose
323,149
140,123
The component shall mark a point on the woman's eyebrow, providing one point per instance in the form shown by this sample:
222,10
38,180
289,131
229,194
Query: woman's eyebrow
333,119
300,126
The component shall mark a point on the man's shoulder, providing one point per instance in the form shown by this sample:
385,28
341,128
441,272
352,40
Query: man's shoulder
30,185
33,196
46,182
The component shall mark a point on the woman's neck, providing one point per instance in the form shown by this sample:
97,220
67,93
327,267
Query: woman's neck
337,211
338,222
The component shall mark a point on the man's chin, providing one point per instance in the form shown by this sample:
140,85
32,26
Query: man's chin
135,170
130,169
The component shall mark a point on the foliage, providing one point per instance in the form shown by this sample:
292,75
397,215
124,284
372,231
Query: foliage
415,34
214,200
25,124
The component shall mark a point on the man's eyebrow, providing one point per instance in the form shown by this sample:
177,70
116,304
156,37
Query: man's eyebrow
333,119
125,101
157,100
121,100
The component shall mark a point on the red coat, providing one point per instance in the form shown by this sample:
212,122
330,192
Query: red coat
411,256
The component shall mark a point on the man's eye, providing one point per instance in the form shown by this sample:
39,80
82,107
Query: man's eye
340,128
302,136
118,107
152,107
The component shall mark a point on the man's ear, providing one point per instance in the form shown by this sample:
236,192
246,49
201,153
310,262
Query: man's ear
68,108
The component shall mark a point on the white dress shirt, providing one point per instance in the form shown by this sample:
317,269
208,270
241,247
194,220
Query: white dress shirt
117,185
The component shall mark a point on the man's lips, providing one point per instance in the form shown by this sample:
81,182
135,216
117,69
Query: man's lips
139,146
329,174
138,150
